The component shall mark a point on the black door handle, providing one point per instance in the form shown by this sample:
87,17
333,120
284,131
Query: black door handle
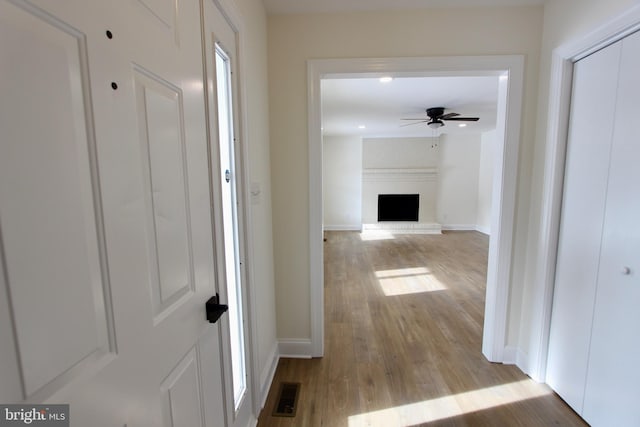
215,309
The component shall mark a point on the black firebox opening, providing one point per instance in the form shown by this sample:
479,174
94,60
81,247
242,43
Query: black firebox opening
398,207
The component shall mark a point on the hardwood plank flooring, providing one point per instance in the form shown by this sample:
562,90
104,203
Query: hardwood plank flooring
403,337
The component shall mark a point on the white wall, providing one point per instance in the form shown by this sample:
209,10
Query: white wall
399,153
485,181
292,39
458,188
342,182
460,198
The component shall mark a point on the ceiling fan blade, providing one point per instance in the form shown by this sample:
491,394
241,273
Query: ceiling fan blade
448,116
421,119
414,123
462,119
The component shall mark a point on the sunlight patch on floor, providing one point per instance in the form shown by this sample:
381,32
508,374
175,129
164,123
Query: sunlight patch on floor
406,281
451,406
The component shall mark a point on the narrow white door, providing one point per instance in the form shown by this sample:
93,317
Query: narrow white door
221,51
612,394
594,347
584,197
105,224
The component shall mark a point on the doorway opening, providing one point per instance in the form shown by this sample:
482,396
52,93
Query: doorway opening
504,186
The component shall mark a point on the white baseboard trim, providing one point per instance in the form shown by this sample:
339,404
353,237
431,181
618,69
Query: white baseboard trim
510,355
295,348
403,227
515,356
522,362
268,372
355,227
458,227
483,230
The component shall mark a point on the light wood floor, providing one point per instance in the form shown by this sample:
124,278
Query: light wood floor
403,335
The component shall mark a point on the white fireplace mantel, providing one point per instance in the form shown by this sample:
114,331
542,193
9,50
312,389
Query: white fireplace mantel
421,181
400,175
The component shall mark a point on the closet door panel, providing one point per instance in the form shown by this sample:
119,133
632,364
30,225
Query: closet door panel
585,192
612,393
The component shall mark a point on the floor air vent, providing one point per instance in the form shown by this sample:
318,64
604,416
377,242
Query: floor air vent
287,400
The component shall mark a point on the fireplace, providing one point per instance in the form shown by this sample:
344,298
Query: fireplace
398,207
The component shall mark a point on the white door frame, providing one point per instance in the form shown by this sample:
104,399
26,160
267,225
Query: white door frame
505,173
561,82
234,18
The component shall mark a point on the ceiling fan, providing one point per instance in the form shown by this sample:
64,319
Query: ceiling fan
436,116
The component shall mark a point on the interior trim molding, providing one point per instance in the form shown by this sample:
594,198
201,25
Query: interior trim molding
400,175
403,227
563,58
295,348
267,375
345,227
230,12
510,355
483,229
511,69
459,227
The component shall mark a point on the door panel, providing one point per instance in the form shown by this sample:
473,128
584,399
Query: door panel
162,14
612,396
105,177
159,106
51,223
182,398
585,192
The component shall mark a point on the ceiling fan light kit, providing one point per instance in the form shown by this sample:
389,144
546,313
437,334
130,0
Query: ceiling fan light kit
435,124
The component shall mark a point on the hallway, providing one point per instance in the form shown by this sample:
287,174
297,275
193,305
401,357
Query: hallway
403,328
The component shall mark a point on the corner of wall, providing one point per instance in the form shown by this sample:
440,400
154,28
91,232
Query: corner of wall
515,355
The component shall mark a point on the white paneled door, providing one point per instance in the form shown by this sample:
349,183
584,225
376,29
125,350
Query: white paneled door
106,250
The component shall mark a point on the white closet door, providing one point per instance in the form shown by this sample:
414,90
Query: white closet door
585,192
612,396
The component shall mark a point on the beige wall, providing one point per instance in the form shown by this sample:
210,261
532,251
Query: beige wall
255,99
294,39
565,21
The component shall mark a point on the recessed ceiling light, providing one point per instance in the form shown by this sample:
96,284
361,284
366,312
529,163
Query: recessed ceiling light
462,125
362,127
386,79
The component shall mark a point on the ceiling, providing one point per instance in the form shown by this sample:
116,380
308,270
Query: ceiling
349,103
329,6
